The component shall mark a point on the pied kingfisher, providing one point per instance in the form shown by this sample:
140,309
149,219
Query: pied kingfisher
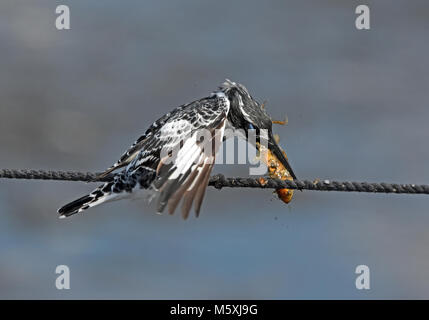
187,177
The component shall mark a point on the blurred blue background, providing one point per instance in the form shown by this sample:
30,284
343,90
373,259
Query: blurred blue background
357,103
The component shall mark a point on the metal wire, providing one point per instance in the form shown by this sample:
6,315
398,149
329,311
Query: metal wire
220,181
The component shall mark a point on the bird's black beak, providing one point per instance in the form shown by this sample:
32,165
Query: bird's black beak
275,149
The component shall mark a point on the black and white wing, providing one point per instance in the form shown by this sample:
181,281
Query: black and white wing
181,150
141,142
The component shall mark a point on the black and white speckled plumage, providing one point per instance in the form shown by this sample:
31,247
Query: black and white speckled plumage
183,180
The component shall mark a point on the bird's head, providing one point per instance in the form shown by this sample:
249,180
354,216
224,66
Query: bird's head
245,112
248,114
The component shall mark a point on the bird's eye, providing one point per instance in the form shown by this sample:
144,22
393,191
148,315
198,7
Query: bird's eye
250,126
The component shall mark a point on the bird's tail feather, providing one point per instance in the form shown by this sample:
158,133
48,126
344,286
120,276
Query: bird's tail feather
96,197
120,188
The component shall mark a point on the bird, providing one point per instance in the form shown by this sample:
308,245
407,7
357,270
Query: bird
143,165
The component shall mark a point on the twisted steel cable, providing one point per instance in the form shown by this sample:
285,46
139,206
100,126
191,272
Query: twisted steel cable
219,181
